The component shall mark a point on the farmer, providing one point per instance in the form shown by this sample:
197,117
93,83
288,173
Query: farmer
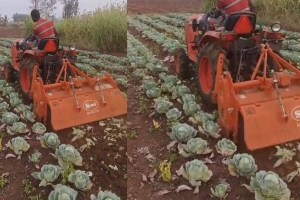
231,6
226,7
43,28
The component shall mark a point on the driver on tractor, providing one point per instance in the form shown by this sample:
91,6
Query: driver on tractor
226,7
43,28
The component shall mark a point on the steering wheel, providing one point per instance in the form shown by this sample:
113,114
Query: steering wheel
30,38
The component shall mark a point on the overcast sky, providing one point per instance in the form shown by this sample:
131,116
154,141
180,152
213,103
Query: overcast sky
9,7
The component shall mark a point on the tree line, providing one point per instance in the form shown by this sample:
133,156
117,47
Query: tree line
47,8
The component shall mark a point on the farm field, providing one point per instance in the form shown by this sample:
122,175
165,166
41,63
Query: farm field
102,145
154,33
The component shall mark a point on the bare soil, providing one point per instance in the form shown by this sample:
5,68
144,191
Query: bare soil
12,32
165,6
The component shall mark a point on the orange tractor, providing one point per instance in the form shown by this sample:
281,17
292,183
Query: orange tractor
239,71
62,95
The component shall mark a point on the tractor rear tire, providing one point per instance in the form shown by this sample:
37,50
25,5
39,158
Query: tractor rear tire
181,62
9,73
25,77
206,72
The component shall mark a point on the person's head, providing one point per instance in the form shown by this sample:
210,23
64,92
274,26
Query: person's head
35,15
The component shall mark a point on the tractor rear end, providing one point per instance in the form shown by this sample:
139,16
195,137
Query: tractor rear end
239,72
62,95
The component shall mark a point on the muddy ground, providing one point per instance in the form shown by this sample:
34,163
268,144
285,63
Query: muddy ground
143,136
11,32
165,6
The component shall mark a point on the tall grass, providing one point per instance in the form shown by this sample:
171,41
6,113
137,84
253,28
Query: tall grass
268,11
103,30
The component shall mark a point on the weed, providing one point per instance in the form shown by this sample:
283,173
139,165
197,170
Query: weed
66,171
28,188
132,134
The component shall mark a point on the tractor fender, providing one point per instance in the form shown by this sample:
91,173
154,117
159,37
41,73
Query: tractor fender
209,36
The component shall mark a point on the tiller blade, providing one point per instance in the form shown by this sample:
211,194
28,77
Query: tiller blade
264,111
79,100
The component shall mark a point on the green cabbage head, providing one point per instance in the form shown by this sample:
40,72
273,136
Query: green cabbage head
48,174
173,114
9,118
190,108
105,195
162,105
182,132
196,172
38,128
268,186
221,190
226,147
195,146
67,154
62,192
49,140
18,145
242,165
81,180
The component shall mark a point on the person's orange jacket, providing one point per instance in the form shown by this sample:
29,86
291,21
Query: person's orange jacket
230,6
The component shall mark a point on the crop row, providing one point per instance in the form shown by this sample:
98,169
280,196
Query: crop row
163,27
162,39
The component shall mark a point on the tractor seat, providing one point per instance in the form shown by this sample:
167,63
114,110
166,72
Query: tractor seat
48,45
242,23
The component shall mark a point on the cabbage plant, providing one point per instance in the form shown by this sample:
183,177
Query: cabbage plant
18,127
105,195
18,145
35,157
4,107
190,108
195,146
168,87
196,172
9,118
48,174
21,108
15,101
62,192
38,128
182,132
162,105
212,129
268,186
221,190
173,114
226,147
188,97
293,174
81,180
67,154
148,84
201,117
153,92
180,91
284,155
49,140
242,165
29,116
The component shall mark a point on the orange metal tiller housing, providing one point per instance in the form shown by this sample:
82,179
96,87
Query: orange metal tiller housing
79,100
263,111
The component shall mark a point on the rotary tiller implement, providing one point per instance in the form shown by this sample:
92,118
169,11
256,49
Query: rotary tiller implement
239,71
62,95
